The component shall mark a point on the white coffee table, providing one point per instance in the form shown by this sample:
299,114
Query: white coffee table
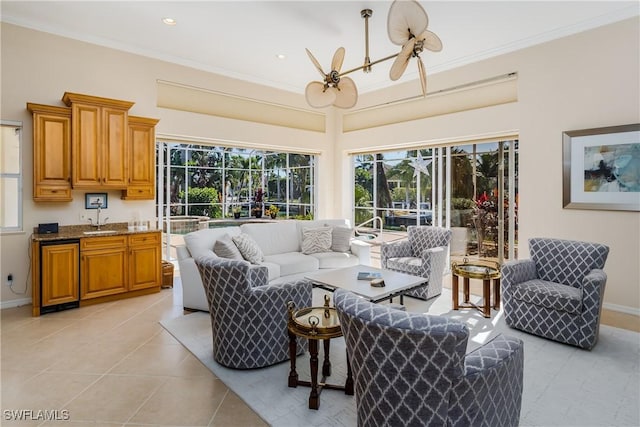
396,284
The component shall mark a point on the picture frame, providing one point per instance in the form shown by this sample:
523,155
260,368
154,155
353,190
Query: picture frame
601,168
95,200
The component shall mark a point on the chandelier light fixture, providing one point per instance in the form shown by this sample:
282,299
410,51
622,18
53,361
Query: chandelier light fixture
407,25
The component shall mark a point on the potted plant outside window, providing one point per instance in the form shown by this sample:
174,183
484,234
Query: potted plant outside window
237,210
257,203
273,211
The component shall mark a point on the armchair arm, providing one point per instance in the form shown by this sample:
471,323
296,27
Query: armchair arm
269,302
400,248
299,291
593,286
258,275
490,391
517,271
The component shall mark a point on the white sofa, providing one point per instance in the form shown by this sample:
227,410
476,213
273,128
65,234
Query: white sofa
281,244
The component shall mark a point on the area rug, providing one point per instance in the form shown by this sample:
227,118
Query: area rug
563,385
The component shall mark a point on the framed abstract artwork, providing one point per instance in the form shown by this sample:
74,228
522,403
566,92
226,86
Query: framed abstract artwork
95,200
601,168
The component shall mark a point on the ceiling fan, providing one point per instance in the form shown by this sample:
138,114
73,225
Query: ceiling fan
407,25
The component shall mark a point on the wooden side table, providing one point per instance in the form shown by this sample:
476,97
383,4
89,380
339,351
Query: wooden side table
314,324
485,271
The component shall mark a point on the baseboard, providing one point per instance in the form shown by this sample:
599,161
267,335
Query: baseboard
622,308
15,303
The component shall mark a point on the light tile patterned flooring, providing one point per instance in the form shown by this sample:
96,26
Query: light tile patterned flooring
113,365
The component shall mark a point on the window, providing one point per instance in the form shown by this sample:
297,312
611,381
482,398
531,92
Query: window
200,183
461,187
10,176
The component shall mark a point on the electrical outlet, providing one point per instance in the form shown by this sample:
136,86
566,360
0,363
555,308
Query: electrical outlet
9,279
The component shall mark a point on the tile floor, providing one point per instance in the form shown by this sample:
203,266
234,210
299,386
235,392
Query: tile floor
112,364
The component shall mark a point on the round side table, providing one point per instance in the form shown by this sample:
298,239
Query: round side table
314,324
488,272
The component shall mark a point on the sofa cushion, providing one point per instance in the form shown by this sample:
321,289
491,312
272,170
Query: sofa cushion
248,248
316,240
336,259
316,223
201,242
341,238
274,237
293,262
224,247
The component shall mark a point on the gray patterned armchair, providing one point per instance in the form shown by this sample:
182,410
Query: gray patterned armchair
423,253
410,369
558,293
248,315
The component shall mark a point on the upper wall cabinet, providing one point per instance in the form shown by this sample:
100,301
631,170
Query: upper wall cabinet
51,153
142,170
98,141
93,145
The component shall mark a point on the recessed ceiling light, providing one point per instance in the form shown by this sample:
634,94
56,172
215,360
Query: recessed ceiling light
281,56
169,21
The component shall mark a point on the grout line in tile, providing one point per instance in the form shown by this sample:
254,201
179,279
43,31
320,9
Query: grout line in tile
215,413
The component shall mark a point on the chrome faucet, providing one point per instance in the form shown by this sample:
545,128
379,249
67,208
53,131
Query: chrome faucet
98,223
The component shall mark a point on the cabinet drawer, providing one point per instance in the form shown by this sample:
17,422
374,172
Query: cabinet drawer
141,193
144,239
91,243
42,193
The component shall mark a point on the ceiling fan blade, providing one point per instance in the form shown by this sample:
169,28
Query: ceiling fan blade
346,93
431,41
402,60
406,18
423,77
315,62
317,96
338,58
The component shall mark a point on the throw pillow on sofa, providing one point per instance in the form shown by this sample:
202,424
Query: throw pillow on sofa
248,248
226,248
315,240
340,239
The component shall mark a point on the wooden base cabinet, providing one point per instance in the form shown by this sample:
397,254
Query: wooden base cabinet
145,261
98,269
104,266
60,274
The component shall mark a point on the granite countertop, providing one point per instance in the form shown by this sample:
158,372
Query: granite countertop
78,232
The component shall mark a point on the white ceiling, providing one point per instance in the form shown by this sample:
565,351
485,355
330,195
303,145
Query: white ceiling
241,39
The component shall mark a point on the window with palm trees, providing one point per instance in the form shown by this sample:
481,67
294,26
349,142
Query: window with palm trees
462,187
211,182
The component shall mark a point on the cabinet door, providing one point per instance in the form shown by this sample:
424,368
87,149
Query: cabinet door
144,261
99,146
144,267
51,153
115,155
104,272
60,274
142,165
86,146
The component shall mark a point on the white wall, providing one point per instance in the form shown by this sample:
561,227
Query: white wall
582,81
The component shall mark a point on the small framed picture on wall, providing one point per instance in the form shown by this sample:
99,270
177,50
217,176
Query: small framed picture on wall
95,200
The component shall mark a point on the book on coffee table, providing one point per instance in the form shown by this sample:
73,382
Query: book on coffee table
369,275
